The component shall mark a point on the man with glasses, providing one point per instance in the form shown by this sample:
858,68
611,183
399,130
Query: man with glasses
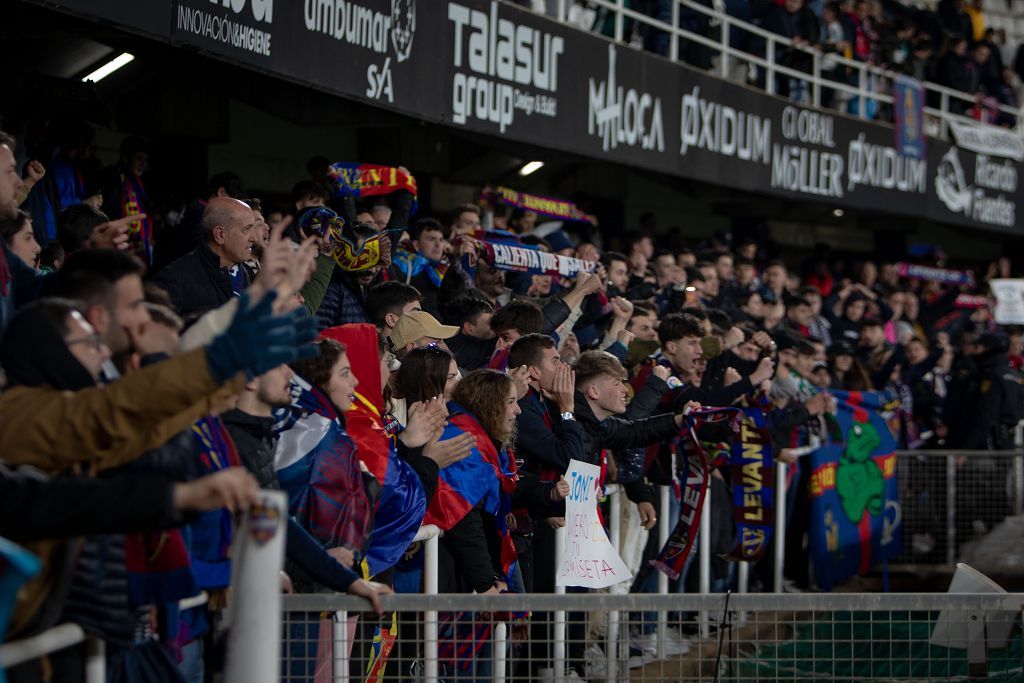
86,345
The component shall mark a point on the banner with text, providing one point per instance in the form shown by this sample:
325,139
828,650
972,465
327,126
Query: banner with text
1009,294
588,558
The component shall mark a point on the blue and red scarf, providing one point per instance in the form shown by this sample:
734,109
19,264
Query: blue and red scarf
211,534
487,476
369,180
672,558
549,207
133,203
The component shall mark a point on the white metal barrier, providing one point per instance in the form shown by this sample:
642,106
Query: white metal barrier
776,45
428,535
64,636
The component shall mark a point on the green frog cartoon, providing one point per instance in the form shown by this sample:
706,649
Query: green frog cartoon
859,481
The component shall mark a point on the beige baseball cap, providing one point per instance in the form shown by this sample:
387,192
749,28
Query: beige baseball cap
415,325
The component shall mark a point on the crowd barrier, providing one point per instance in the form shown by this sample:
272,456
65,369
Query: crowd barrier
838,636
944,491
63,636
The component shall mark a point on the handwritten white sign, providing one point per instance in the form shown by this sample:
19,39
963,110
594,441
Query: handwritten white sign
588,558
1009,296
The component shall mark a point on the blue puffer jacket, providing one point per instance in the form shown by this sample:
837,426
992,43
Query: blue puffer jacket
343,302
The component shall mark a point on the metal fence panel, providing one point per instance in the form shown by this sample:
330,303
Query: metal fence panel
952,499
834,637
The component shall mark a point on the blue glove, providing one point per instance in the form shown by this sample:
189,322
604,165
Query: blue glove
258,340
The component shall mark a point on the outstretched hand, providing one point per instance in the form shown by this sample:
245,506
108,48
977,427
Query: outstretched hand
258,340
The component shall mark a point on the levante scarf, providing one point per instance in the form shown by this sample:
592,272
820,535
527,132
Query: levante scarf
504,251
913,271
753,487
369,180
749,456
672,558
558,209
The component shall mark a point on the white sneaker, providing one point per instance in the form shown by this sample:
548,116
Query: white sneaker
675,645
595,664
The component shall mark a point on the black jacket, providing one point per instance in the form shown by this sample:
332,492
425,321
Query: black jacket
254,439
544,439
196,282
615,433
978,424
36,507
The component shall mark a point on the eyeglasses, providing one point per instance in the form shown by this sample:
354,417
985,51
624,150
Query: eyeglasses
95,340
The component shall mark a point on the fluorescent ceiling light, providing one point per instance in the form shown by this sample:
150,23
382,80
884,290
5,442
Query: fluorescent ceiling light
109,68
531,167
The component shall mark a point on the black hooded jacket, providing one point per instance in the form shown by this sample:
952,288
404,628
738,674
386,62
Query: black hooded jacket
33,354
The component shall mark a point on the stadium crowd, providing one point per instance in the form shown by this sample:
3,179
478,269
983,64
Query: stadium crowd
950,46
376,364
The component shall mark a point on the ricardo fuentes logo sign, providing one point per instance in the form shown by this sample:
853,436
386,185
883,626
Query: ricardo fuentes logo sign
985,200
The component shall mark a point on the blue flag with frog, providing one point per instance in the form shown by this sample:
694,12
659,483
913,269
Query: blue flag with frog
855,507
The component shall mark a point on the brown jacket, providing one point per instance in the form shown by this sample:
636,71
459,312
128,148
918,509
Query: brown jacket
108,426
99,428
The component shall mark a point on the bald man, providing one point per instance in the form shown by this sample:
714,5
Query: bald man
210,275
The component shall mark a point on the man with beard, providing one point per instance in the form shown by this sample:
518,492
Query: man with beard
109,285
251,423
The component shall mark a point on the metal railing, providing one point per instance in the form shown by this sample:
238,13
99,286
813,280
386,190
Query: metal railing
764,637
945,476
951,498
63,636
775,47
